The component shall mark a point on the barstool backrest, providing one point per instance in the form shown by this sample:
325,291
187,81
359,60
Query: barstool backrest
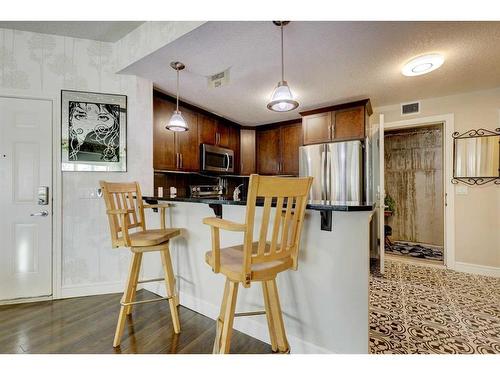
123,196
285,201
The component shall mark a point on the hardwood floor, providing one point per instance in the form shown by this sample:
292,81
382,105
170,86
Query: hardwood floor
87,325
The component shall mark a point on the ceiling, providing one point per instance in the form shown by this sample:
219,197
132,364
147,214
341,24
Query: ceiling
325,63
104,31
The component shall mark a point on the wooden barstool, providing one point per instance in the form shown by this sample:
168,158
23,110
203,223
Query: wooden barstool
125,211
261,260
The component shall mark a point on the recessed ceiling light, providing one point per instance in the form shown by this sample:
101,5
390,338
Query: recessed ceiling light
422,65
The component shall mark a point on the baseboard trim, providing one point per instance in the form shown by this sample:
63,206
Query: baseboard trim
68,291
249,325
477,269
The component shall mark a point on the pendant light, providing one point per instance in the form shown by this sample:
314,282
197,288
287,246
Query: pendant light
282,98
177,122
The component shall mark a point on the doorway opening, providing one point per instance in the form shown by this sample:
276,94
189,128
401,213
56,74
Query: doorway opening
414,186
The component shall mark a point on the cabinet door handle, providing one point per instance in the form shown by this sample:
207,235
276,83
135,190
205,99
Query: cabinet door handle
176,160
181,160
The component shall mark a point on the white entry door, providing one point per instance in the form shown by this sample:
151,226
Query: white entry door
25,219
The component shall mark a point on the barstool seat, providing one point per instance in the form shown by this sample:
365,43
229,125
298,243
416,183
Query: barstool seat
152,237
231,263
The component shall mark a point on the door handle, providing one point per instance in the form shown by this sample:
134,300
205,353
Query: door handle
41,213
180,156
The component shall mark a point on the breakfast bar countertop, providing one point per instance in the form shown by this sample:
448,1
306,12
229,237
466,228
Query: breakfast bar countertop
312,205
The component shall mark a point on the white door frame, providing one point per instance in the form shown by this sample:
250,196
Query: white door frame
448,121
56,193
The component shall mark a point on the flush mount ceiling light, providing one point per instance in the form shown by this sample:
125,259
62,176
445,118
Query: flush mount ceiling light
177,122
282,98
422,65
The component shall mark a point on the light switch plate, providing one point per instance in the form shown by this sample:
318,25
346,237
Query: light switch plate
462,190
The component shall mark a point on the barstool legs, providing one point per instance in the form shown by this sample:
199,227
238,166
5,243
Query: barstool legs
279,342
171,290
275,317
128,295
269,315
225,321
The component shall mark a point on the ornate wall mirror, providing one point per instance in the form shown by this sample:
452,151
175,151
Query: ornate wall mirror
476,156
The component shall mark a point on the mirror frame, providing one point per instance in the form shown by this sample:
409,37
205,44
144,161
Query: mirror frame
473,133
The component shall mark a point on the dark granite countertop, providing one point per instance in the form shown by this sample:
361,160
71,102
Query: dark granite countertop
312,205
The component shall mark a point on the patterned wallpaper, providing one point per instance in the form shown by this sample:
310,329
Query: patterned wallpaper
41,65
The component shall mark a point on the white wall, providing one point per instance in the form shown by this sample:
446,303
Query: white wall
477,214
41,65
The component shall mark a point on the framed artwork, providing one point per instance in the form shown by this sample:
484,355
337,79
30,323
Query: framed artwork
93,132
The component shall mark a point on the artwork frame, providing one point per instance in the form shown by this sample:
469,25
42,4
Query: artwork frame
93,132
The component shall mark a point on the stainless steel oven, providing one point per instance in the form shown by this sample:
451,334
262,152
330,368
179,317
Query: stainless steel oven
216,159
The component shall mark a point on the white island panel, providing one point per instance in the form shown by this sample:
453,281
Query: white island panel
324,302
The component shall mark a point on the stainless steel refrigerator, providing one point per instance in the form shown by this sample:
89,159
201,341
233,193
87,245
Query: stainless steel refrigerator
337,169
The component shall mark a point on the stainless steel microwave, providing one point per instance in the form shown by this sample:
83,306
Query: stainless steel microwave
216,159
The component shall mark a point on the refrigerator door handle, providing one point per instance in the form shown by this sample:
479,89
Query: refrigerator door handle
324,172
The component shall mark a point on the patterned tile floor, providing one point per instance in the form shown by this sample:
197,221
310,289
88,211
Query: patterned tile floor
417,309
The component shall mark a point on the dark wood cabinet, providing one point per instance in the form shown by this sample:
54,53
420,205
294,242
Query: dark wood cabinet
340,122
180,151
234,144
164,148
215,132
247,151
187,143
290,141
317,128
268,151
349,123
207,129
223,134
278,149
174,150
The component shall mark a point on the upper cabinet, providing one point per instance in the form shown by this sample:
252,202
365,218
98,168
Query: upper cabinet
247,151
215,132
180,151
278,149
290,141
164,142
174,150
336,123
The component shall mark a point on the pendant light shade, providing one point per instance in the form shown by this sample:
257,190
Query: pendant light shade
177,122
282,99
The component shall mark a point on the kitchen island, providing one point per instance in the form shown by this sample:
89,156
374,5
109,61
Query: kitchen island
324,302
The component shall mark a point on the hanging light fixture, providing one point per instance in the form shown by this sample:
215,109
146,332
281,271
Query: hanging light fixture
177,122
282,99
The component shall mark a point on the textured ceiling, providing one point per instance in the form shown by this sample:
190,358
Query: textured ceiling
326,62
104,31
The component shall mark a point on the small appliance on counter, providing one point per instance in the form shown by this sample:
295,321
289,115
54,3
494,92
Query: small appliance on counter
206,191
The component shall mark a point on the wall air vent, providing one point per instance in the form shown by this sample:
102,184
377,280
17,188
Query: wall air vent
219,79
410,108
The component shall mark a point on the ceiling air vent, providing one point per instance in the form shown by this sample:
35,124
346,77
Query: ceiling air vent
410,108
219,79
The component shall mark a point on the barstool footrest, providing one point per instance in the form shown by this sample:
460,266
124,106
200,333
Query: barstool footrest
145,301
150,280
250,313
